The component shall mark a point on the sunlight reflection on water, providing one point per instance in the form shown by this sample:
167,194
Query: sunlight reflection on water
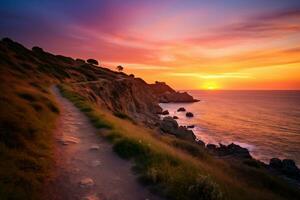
265,122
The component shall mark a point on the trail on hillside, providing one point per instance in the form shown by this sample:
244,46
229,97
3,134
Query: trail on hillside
86,166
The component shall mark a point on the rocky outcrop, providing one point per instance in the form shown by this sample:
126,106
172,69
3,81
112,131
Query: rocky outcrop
165,94
232,150
159,88
129,97
170,126
176,97
285,167
184,133
200,143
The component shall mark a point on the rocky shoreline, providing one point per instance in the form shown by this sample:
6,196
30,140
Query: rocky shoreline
286,168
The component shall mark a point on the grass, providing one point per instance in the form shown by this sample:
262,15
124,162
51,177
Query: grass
178,169
169,166
26,122
164,173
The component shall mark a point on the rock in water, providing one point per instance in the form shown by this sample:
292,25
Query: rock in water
191,126
170,125
181,109
233,150
286,167
165,112
86,182
275,163
189,114
200,143
183,133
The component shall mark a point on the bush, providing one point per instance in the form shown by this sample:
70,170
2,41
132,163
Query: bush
92,61
127,149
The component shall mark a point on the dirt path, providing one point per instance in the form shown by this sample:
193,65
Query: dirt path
87,168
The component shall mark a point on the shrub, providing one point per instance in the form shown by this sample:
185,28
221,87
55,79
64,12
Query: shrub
120,68
127,148
92,61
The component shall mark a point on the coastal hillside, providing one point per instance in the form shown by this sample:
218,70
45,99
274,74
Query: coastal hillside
124,110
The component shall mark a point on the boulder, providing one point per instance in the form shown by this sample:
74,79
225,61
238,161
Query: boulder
233,150
211,147
189,114
200,143
181,109
165,112
289,165
191,126
286,167
184,133
275,163
175,117
168,125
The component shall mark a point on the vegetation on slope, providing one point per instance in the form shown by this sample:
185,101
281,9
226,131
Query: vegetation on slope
172,167
163,165
26,122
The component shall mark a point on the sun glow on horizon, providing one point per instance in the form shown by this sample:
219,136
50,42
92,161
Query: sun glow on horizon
186,44
210,85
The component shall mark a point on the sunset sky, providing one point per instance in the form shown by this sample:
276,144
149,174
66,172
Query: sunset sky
234,44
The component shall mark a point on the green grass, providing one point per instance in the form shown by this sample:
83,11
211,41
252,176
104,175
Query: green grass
178,169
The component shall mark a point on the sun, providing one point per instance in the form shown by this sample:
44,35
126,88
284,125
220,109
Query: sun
210,86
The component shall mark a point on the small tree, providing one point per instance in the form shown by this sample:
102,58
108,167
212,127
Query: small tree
120,68
92,61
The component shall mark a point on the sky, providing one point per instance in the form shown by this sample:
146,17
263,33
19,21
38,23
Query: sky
190,44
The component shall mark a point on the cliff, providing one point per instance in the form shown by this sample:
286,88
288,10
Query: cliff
165,94
125,96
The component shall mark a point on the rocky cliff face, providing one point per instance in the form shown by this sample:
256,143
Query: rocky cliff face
125,97
165,94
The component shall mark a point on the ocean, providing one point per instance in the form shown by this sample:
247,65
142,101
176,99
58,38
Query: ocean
267,123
